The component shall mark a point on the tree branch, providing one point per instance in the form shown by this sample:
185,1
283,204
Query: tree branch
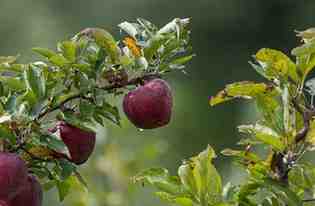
307,116
134,81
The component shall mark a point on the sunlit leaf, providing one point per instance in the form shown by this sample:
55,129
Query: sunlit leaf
44,52
276,64
244,89
263,134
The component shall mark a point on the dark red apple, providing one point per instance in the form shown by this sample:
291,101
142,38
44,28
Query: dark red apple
30,195
80,143
150,105
13,174
4,203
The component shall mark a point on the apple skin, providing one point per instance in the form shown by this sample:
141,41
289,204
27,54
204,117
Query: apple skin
80,143
13,174
4,203
150,105
30,195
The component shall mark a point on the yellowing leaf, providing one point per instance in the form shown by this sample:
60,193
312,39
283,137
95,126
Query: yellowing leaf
243,89
276,63
132,45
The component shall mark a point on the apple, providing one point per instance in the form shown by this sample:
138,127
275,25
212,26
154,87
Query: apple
80,143
30,195
150,105
13,174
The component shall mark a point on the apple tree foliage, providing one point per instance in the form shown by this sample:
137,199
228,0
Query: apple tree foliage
72,86
272,148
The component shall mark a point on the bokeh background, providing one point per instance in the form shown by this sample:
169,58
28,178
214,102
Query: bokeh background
225,34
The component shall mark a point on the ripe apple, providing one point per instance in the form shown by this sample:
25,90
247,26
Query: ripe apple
80,143
150,105
30,195
13,174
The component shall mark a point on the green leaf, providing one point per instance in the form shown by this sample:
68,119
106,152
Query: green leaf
242,154
68,49
276,64
64,187
35,81
108,112
200,177
105,40
271,111
243,89
44,52
160,178
52,142
67,169
59,60
153,45
14,83
6,133
263,134
283,192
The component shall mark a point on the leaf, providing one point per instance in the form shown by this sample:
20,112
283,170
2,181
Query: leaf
35,81
160,178
14,83
64,187
276,64
129,28
105,40
150,28
243,89
271,111
201,178
6,133
305,49
58,60
8,59
68,49
153,45
108,112
283,192
44,52
67,169
132,45
52,142
263,134
242,154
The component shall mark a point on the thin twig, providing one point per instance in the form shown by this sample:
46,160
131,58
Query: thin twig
309,200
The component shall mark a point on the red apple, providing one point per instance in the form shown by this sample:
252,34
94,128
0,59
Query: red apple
30,195
13,174
80,143
150,105
4,203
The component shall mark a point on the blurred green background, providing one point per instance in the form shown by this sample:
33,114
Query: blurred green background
225,33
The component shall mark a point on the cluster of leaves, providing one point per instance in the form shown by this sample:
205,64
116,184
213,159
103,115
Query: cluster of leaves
71,84
284,132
